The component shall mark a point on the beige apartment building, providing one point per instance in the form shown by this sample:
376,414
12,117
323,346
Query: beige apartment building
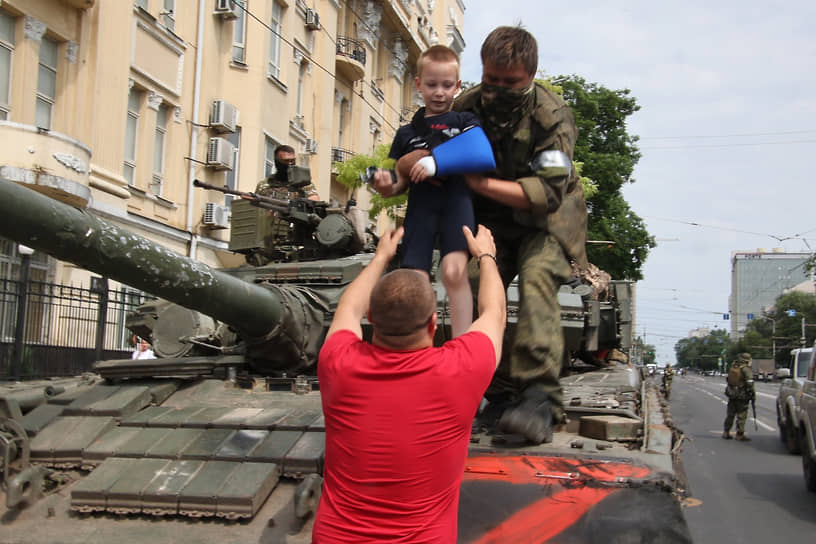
118,105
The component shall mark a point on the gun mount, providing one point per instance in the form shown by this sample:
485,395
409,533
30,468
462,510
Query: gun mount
266,229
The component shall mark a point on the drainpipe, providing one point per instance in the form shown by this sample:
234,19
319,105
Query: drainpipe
194,132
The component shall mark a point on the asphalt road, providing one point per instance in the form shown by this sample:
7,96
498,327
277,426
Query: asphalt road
739,491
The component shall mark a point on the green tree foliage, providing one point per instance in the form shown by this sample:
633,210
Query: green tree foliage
648,352
704,353
608,154
349,172
759,332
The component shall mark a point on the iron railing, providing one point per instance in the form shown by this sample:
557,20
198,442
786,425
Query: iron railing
351,48
62,333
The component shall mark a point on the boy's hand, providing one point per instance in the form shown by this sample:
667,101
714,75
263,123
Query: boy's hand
387,247
418,173
383,182
481,243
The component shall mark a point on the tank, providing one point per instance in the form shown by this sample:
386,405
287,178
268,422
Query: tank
221,438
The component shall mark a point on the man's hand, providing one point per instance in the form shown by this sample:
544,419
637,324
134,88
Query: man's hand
476,183
480,244
387,247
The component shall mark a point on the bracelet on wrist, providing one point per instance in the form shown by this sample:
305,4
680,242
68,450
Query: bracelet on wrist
479,258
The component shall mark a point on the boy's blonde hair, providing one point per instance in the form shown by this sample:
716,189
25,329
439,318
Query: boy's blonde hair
437,53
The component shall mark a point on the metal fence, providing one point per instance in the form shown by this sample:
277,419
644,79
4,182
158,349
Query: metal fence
64,329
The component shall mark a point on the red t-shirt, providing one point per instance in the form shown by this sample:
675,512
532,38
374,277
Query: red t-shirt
397,431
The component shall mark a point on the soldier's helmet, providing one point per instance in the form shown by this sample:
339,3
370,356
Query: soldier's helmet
745,357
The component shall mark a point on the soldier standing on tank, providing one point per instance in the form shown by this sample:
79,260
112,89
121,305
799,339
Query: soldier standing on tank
534,205
740,392
668,375
277,185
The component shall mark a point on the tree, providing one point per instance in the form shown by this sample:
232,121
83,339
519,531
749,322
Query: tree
781,327
349,174
705,353
608,154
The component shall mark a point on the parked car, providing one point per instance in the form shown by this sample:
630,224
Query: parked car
787,400
807,425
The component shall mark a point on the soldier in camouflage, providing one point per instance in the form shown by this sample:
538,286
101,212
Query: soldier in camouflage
277,185
740,392
534,205
668,375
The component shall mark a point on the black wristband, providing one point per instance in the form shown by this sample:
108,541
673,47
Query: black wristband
479,258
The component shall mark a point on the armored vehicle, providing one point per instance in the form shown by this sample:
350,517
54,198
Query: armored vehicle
221,438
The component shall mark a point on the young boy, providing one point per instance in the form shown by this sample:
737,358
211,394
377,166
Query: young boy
436,206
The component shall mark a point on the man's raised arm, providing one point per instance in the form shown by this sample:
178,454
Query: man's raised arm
353,305
492,304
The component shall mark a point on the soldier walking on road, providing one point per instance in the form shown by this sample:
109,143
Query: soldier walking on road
740,392
668,374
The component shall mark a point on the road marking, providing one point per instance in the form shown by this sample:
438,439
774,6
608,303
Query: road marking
725,403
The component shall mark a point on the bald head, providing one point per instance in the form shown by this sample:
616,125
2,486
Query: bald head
401,304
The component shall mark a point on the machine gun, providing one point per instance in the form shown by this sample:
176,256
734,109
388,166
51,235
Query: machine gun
297,209
298,229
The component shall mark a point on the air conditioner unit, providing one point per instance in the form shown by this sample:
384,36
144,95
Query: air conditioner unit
216,216
227,9
311,146
312,20
224,116
220,154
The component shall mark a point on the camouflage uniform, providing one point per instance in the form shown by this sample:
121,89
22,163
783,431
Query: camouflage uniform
739,397
668,375
536,243
274,187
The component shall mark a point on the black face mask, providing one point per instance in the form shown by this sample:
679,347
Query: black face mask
282,170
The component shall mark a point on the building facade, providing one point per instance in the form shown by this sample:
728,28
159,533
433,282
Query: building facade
118,106
758,278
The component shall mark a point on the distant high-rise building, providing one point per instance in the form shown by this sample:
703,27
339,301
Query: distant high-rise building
757,279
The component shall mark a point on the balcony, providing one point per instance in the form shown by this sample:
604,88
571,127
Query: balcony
46,161
351,58
341,155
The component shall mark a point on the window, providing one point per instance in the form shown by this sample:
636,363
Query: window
275,40
131,127
158,150
168,14
6,48
46,83
231,181
239,34
301,77
269,161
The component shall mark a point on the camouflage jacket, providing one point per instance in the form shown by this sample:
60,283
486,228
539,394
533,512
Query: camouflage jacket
745,391
558,204
274,188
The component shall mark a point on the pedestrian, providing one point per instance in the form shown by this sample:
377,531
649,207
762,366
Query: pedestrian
143,350
740,392
668,375
398,411
278,184
435,207
534,205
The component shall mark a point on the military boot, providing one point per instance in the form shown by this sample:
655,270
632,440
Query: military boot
741,437
726,435
532,419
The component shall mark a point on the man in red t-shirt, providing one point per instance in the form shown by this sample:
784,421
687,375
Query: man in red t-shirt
398,410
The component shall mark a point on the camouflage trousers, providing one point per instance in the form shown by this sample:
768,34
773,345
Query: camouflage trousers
736,408
533,350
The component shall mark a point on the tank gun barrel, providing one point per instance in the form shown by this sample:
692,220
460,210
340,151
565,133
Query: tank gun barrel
78,237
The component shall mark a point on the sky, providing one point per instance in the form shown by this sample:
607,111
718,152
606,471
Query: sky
727,131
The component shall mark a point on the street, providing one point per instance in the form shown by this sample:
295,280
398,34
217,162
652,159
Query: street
739,491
